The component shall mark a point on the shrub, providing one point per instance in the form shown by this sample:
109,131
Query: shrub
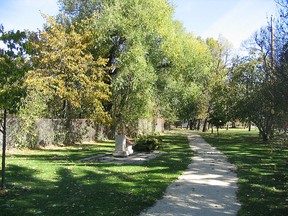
147,144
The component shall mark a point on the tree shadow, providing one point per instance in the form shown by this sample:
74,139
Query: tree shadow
90,188
262,173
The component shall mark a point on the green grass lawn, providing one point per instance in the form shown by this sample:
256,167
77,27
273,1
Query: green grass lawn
262,172
52,182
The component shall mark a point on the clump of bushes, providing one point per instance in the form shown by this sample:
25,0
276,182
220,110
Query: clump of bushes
147,144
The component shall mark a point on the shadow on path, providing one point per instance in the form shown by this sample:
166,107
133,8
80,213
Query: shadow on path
207,187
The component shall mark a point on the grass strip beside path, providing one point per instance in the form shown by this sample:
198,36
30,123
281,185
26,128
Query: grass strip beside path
51,182
262,173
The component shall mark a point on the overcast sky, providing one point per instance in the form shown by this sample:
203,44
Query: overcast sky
234,19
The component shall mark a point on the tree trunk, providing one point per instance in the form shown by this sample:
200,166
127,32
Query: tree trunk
3,185
198,124
191,124
249,126
205,125
265,131
265,136
70,135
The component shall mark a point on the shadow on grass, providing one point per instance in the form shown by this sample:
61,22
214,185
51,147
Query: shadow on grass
40,185
68,153
262,173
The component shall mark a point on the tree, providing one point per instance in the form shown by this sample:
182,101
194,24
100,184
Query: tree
256,83
180,79
242,76
281,66
215,92
78,10
13,66
73,82
133,43
219,109
150,55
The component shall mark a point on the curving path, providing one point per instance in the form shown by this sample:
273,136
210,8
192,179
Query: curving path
207,188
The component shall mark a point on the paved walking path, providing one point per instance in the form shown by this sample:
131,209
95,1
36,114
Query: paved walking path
207,188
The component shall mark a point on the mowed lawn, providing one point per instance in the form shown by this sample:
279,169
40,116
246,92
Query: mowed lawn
262,171
52,182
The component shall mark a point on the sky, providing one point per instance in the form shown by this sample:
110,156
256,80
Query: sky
235,20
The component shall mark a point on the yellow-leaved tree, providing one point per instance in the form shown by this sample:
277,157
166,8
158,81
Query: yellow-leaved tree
73,83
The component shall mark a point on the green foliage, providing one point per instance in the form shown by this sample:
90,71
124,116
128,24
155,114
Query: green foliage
212,96
136,30
254,94
181,81
32,108
218,117
13,66
219,107
147,144
258,79
72,83
68,75
148,53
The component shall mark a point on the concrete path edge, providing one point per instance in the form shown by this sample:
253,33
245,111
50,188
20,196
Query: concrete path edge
207,188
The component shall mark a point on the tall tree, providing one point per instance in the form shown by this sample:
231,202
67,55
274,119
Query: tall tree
13,65
72,80
215,93
133,42
281,63
150,54
182,81
257,75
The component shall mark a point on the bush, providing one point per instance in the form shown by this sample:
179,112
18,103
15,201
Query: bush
147,144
